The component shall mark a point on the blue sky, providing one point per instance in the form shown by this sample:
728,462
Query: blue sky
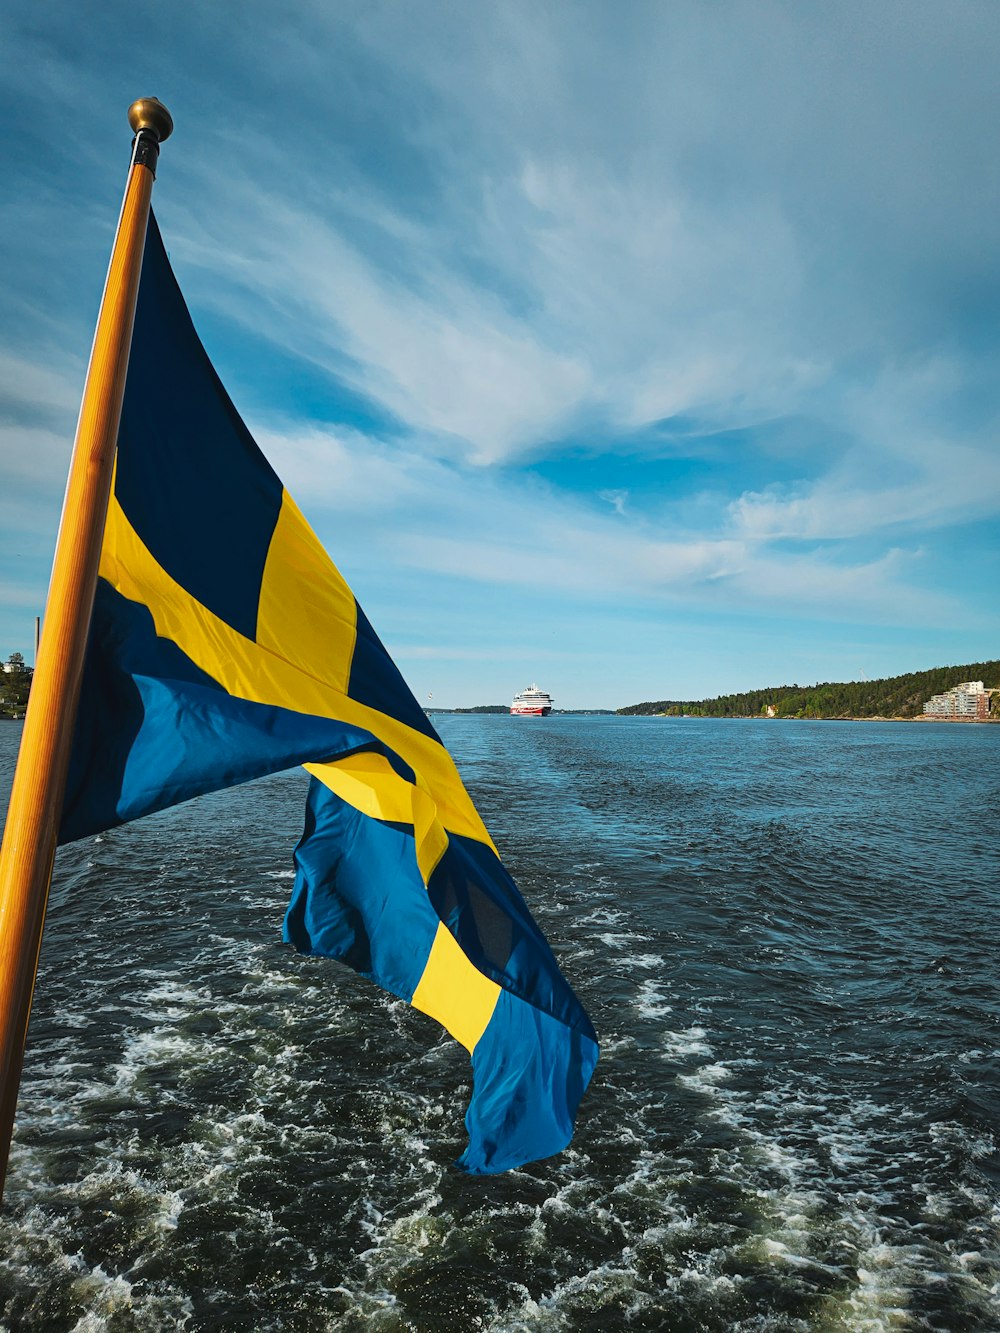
646,350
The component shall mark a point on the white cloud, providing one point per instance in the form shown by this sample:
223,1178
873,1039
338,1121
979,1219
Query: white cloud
380,505
344,470
442,354
34,459
617,499
32,386
907,466
630,308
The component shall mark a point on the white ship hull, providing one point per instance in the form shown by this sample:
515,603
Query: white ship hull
532,702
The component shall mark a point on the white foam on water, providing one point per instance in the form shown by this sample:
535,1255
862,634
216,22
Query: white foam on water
972,1144
688,1041
603,916
848,1149
591,1290
147,1312
877,1301
613,1290
622,939
529,1318
146,1050
706,1078
395,1243
75,1020
970,1057
110,1300
648,960
41,1243
649,1000
786,1161
612,1046
787,1183
773,1157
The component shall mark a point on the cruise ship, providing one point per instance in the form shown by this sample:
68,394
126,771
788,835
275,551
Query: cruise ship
532,702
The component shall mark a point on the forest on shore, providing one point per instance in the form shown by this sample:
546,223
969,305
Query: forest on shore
893,696
15,686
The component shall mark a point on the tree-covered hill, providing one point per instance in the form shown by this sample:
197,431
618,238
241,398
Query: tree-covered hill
895,696
15,685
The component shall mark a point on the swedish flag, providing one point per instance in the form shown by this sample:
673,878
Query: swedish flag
225,645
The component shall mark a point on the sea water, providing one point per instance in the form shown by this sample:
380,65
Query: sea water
785,934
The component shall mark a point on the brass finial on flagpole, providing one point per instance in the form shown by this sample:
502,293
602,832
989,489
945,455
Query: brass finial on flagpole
149,113
36,797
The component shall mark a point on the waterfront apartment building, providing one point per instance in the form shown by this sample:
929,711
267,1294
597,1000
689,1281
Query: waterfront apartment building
968,701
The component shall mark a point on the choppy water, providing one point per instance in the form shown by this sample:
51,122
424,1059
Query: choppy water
785,934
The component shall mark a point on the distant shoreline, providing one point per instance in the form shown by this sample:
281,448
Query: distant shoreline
888,699
755,717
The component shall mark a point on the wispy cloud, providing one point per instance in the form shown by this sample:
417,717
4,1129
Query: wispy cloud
617,499
31,389
469,526
908,465
441,354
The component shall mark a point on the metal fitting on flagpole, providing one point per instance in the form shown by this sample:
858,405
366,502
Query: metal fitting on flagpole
151,123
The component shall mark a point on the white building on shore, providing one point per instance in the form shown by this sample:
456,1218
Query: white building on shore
969,700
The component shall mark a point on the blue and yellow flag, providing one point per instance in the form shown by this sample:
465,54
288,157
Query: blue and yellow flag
225,645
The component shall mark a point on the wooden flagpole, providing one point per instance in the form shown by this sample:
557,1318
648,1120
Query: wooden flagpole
33,816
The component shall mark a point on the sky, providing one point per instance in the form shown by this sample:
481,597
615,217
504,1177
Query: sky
642,351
